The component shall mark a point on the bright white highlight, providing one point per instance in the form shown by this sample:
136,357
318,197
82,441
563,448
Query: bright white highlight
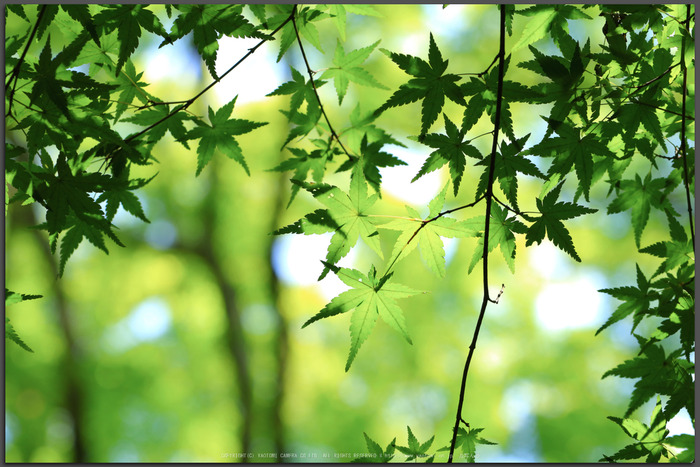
569,305
297,262
449,21
517,403
680,424
253,79
397,180
175,62
549,261
148,321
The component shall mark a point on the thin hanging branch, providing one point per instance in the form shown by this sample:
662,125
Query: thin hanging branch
191,100
234,334
334,134
485,256
14,74
684,146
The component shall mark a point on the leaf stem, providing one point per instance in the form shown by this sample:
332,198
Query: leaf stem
423,224
485,255
659,108
483,72
684,154
14,74
310,72
514,211
479,136
393,217
629,96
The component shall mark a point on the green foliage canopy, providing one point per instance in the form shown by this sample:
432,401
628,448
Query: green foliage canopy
615,102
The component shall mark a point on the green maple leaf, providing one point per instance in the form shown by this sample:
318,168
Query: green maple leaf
81,13
317,222
371,159
128,21
500,234
639,196
347,68
302,163
207,24
304,18
13,297
130,88
467,439
122,194
426,234
19,11
46,86
87,227
565,73
508,164
429,84
69,206
370,297
650,441
632,115
685,442
451,149
339,13
173,124
377,455
544,19
361,126
635,300
674,253
220,135
415,449
349,212
537,26
484,92
300,89
571,150
550,222
10,299
658,374
303,123
12,335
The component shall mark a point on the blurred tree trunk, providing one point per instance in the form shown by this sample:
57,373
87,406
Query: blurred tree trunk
282,337
25,217
235,336
74,401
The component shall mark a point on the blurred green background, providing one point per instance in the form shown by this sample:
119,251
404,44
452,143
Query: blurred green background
187,345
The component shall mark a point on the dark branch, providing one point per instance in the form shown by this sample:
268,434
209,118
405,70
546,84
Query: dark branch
14,74
485,255
483,72
684,154
191,101
513,210
310,72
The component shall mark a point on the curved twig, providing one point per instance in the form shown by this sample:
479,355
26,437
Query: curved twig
310,72
14,74
425,222
191,101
